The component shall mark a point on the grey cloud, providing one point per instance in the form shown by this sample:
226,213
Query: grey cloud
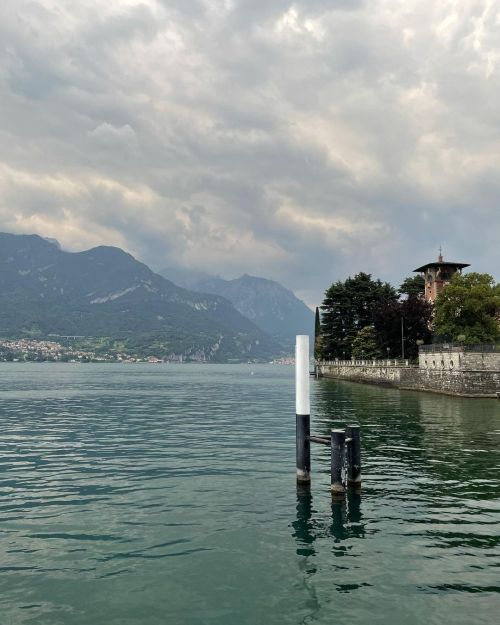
301,141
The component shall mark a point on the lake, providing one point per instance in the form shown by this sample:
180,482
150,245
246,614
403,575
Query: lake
165,494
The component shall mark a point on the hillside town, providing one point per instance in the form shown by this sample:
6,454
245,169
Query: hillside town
31,350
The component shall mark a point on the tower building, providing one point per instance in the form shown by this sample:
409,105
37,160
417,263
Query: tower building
437,275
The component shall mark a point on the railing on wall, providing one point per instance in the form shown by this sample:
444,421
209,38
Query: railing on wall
453,347
387,362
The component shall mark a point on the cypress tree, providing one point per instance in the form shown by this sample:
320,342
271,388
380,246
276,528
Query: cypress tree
317,335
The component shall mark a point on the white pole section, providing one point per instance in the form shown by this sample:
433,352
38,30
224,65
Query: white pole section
302,410
302,404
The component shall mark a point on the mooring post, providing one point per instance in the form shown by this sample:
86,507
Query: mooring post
338,455
302,409
353,434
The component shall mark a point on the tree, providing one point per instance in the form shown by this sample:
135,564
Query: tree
365,344
317,335
405,321
414,285
387,326
347,308
468,309
417,318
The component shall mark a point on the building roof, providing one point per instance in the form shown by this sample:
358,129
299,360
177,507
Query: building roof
438,264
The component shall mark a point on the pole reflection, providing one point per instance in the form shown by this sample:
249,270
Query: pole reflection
319,535
347,517
303,525
346,520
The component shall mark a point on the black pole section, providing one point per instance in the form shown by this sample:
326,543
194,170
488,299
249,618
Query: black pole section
353,432
302,434
338,455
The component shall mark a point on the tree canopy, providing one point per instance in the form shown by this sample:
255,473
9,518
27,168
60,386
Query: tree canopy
404,322
365,344
347,308
468,309
414,285
363,317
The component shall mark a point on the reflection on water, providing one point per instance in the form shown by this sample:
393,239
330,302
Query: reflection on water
441,435
345,521
303,528
150,495
431,475
346,515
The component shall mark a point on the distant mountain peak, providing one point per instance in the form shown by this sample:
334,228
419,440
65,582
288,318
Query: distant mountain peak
108,250
53,242
267,303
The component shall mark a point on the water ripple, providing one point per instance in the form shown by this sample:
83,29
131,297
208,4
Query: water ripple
149,495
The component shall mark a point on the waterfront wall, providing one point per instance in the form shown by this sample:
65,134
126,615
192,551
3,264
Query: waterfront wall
451,380
450,358
383,372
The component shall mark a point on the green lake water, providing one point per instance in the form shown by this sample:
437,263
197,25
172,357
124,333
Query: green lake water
165,495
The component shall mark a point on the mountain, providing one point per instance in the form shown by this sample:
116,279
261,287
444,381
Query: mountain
268,304
185,278
105,292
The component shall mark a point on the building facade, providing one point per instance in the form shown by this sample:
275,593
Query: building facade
437,275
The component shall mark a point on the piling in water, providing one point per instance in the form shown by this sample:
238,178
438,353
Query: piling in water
337,462
302,409
303,448
353,434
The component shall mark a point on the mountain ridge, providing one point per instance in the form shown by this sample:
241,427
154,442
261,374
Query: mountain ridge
104,291
267,303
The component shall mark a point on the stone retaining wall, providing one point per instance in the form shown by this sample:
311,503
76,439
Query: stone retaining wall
458,358
454,381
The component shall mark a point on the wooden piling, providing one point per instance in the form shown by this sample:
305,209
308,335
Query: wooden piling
353,434
337,462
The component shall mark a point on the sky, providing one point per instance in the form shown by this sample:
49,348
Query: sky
299,141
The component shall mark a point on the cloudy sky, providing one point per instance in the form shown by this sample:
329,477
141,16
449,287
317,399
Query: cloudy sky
301,141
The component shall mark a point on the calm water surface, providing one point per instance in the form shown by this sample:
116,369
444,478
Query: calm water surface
145,495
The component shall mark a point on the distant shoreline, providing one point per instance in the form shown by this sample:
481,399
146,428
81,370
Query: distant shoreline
130,362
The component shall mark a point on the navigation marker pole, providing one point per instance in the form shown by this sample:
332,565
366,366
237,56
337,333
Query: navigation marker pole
302,409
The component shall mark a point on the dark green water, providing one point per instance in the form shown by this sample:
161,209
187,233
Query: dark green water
145,495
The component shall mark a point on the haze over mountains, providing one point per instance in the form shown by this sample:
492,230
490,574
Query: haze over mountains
271,306
105,292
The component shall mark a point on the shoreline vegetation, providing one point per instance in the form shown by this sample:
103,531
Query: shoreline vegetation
365,318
